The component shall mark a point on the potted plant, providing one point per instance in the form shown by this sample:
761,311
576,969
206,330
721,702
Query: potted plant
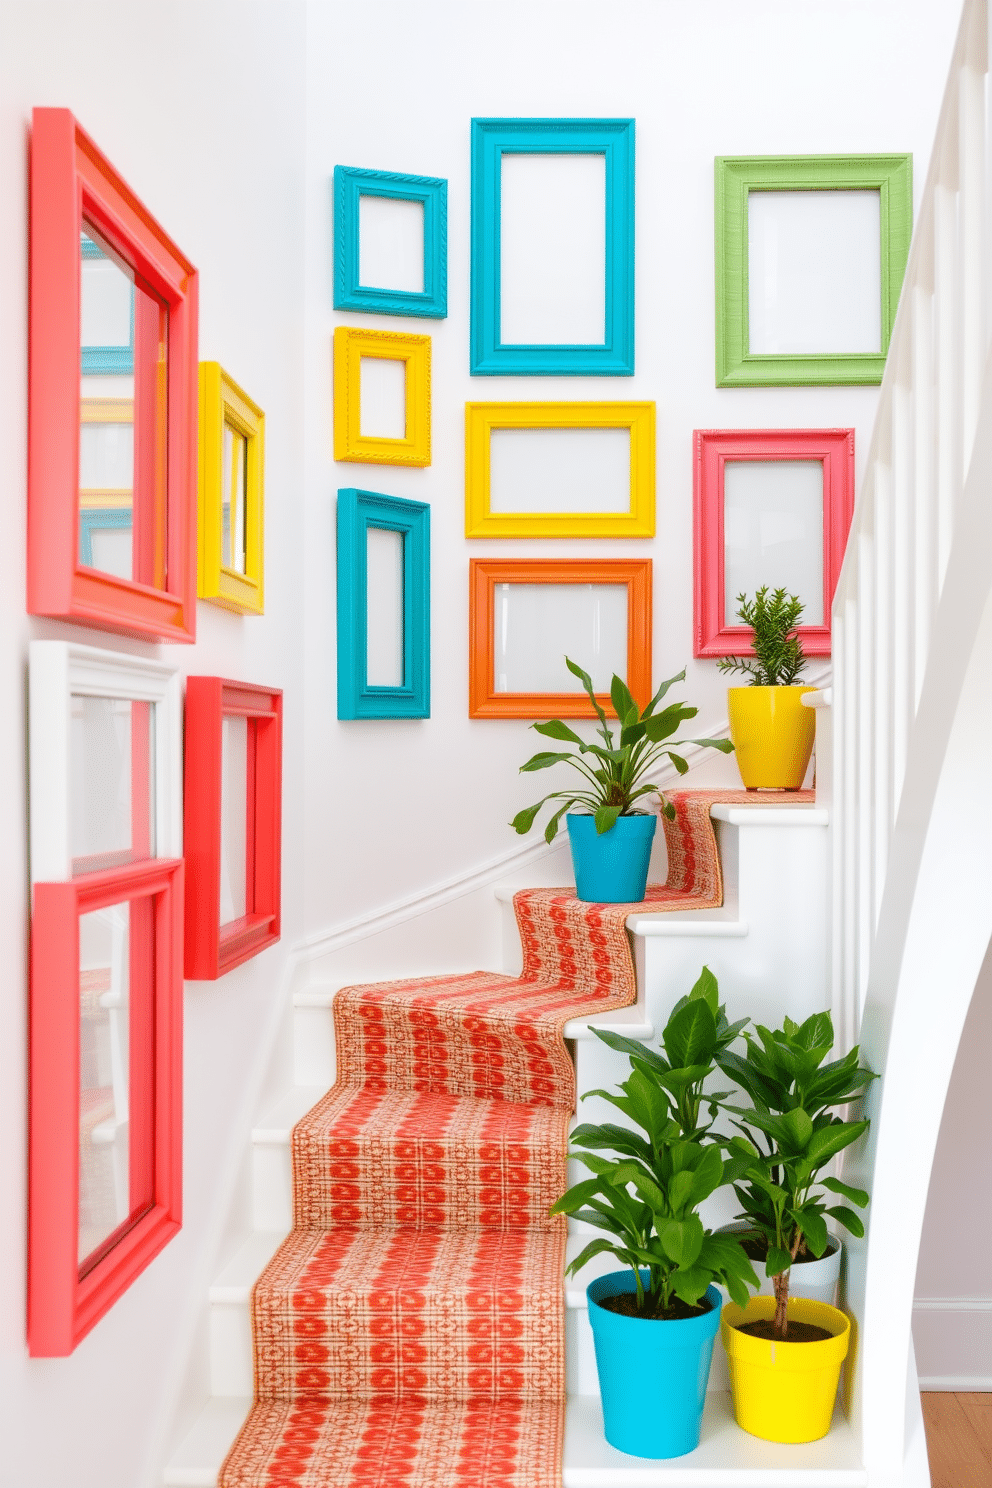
610,836
654,1323
771,730
785,1356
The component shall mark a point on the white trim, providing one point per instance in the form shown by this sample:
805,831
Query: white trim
57,670
952,1304
963,1384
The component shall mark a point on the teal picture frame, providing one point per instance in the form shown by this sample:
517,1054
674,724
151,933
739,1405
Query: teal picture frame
357,511
105,360
100,519
491,140
350,185
734,178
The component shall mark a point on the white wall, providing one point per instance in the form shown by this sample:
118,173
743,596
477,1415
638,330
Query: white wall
200,106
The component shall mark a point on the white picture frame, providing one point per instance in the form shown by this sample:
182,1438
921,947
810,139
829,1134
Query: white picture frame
58,670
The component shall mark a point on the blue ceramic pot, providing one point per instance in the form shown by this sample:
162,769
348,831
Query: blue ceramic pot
652,1373
611,867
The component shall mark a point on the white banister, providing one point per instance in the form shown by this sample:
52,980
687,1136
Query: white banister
912,714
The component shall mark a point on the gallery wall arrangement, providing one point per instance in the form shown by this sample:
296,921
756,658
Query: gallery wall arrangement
135,505
150,494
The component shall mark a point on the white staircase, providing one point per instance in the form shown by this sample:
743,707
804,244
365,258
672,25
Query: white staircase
767,944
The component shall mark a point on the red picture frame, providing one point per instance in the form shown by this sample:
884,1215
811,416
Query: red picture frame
212,948
712,635
72,181
66,1299
484,574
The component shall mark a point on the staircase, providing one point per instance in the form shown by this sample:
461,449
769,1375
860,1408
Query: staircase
768,947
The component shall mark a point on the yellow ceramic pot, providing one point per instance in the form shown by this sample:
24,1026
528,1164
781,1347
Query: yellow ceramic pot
772,734
785,1392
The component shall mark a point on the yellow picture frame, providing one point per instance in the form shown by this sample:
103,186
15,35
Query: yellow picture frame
351,344
224,403
482,418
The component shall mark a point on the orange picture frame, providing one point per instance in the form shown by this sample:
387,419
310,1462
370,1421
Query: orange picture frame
485,574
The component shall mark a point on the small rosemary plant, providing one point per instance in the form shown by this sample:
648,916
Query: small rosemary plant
778,652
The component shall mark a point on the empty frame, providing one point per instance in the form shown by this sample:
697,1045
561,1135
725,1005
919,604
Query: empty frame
810,256
383,570
233,823
106,1092
112,398
552,247
527,614
771,507
559,469
231,530
382,397
390,243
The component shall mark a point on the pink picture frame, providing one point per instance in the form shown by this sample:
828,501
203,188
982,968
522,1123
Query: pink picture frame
714,634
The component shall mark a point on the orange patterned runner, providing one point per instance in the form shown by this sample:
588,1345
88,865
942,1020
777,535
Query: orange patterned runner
409,1332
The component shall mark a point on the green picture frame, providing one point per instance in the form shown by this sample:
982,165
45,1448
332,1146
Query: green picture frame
737,175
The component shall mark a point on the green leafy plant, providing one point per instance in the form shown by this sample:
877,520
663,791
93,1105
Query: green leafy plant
648,1193
790,1135
778,651
613,772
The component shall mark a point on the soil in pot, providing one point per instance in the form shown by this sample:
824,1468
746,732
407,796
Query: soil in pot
625,1303
798,1332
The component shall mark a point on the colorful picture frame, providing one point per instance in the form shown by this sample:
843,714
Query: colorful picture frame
482,418
66,1298
212,949
357,512
735,176
351,344
59,671
485,574
74,186
714,634
491,140
224,403
350,185
101,360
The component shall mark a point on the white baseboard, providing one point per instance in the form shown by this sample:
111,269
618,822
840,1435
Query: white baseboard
953,1337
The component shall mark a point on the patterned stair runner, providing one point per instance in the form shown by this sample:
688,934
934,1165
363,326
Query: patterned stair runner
409,1332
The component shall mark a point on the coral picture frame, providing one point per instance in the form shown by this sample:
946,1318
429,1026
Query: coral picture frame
358,511
69,1293
213,948
481,419
75,189
351,345
485,575
714,634
350,185
226,406
735,177
492,139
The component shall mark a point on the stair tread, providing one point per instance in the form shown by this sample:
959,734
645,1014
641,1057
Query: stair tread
726,1457
233,1284
199,1456
277,1124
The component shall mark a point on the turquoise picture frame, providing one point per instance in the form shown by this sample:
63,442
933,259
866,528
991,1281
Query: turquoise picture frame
350,185
105,360
100,519
357,512
491,140
734,178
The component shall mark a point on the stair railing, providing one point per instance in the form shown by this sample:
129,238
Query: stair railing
912,747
